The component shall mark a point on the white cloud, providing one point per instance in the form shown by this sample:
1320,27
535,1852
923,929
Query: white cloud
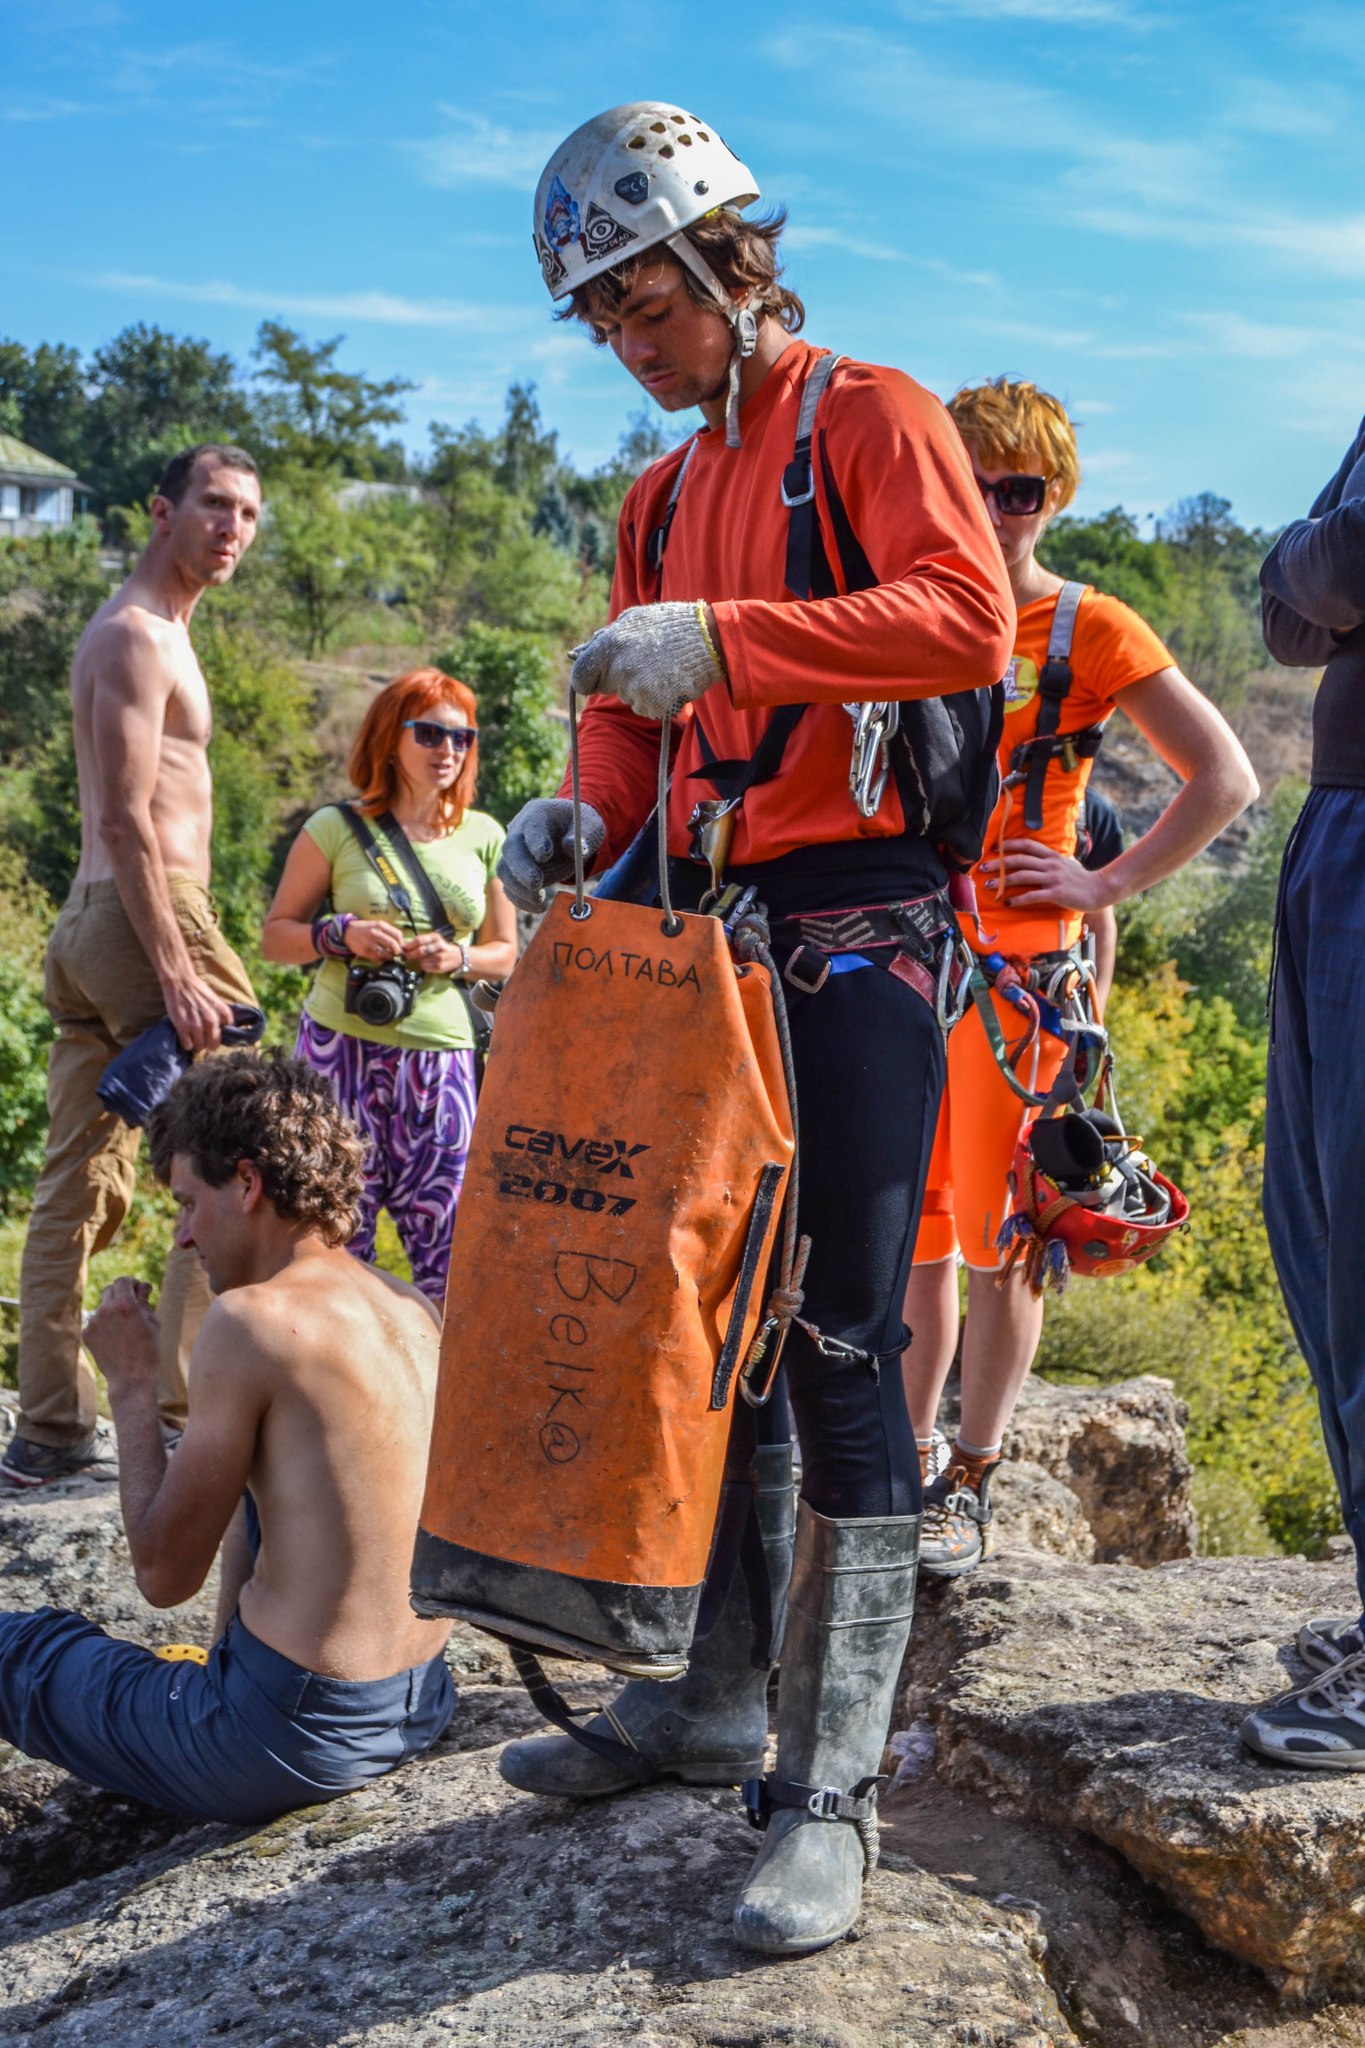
379,308
42,110
807,237
476,150
1074,12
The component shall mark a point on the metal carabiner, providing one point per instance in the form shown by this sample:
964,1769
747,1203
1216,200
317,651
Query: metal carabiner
874,727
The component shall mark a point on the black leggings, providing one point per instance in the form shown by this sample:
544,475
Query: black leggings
869,1077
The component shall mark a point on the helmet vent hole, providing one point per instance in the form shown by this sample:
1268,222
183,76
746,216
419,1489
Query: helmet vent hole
702,135
686,141
636,142
666,149
657,128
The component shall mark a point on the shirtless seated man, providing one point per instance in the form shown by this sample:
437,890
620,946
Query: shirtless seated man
310,1400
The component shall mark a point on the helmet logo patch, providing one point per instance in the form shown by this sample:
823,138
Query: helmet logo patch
602,234
551,269
561,215
633,188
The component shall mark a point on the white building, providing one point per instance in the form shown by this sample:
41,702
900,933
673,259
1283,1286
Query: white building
36,493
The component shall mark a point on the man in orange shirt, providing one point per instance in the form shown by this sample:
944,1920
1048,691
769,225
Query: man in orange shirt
1034,897
801,557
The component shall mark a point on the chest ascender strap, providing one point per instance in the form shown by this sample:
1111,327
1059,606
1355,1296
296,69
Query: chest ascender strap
1030,760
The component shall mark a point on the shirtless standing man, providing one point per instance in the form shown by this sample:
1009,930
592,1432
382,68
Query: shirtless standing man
137,939
311,1384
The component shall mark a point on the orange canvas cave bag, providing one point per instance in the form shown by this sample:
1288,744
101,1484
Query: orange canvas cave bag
611,1248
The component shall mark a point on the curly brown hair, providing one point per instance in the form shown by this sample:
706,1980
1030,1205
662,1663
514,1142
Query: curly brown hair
742,253
281,1115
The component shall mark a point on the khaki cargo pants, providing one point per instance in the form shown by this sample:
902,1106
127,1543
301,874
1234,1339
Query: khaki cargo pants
101,991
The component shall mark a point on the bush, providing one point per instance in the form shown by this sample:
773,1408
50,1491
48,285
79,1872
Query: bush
25,1034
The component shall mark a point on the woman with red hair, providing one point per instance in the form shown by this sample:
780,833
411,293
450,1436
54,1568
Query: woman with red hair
385,1019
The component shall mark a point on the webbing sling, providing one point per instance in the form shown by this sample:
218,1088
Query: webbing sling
798,482
388,875
732,779
1034,755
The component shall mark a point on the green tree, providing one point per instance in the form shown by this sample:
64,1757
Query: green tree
527,456
1109,552
1215,634
314,417
521,748
25,1033
43,399
152,393
49,587
1227,946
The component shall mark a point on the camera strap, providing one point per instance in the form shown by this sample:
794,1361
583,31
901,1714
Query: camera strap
388,873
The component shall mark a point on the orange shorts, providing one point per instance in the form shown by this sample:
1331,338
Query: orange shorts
967,1197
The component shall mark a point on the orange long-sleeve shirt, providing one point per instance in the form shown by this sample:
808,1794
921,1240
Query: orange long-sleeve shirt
940,619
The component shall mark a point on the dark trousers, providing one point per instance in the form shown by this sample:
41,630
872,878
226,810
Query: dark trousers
869,1062
1314,1195
243,1738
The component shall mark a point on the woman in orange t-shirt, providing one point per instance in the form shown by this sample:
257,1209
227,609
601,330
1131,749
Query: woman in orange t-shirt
1034,897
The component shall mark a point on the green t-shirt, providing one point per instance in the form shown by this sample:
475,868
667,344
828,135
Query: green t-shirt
461,866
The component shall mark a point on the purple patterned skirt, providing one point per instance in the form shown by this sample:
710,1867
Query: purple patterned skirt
416,1108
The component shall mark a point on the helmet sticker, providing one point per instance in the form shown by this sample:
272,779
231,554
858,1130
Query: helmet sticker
561,215
633,188
602,234
551,269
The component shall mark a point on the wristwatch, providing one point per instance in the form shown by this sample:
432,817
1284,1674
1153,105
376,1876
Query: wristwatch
463,967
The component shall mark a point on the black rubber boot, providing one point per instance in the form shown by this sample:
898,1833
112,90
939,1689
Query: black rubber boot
848,1621
709,1727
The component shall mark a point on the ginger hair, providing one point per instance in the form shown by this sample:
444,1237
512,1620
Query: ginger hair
1011,425
373,762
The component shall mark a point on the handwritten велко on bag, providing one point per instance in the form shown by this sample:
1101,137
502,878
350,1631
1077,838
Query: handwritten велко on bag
628,1158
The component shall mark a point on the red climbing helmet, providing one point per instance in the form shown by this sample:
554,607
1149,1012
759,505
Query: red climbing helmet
1086,1200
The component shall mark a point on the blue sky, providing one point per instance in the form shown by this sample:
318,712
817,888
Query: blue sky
1153,210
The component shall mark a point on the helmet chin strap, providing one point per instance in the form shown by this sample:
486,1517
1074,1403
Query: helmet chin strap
743,321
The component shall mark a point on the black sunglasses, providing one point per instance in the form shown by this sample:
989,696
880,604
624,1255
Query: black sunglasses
428,733
1016,495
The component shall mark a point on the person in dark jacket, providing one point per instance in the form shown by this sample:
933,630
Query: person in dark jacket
1313,613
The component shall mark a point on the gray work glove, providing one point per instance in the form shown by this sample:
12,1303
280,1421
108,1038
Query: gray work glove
539,848
654,658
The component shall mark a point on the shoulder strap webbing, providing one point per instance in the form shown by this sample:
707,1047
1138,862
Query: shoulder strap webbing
798,481
388,874
731,779
657,544
1053,686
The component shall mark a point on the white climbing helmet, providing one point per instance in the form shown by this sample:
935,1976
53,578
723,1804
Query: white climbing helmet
630,180
626,180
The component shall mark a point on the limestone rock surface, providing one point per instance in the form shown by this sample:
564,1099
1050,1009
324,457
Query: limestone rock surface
1121,1450
1107,1699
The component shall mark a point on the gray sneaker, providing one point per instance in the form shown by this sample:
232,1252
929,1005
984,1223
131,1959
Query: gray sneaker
28,1464
1316,1726
1326,1642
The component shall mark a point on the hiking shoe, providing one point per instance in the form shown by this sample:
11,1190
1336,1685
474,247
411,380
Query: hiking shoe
956,1531
1317,1726
1326,1642
28,1464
